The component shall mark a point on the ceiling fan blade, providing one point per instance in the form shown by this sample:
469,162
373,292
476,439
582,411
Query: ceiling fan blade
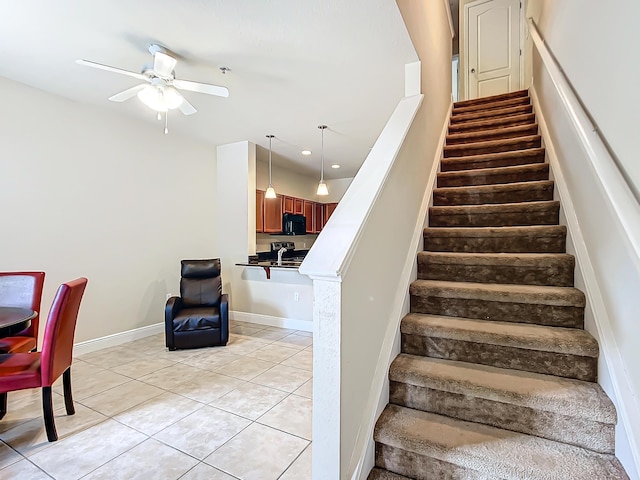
201,87
186,108
87,63
163,64
127,94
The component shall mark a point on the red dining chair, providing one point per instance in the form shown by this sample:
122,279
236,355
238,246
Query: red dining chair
24,290
19,371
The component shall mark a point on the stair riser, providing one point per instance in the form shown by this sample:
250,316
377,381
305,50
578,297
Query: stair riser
490,114
421,467
379,474
557,274
507,219
508,121
521,244
492,99
442,197
488,136
455,164
534,313
562,365
595,436
494,178
513,102
480,148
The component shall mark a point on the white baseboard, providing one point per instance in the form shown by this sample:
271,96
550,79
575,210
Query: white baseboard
280,322
117,339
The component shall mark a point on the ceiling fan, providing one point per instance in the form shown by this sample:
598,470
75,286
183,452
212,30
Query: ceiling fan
160,92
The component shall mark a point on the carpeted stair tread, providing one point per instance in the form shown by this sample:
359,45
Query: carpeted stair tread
493,176
508,334
491,451
498,292
492,146
491,160
531,239
491,99
487,114
550,269
517,192
499,133
508,120
492,134
565,396
537,304
509,102
495,215
379,474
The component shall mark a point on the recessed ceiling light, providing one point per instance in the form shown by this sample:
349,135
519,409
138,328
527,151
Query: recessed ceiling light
306,152
335,165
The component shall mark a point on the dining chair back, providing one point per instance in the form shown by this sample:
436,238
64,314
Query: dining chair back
24,290
59,332
19,371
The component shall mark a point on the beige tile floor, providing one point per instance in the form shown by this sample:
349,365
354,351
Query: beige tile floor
237,412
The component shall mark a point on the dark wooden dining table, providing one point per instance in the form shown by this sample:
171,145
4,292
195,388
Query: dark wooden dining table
14,319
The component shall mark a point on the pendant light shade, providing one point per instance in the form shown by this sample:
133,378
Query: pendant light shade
322,187
270,193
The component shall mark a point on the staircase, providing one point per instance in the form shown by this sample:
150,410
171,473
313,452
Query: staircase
496,379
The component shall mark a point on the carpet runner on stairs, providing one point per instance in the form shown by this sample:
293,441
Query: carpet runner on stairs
496,379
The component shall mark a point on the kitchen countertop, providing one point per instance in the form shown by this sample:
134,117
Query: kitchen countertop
271,263
287,264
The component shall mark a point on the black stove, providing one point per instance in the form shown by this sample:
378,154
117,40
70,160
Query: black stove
290,246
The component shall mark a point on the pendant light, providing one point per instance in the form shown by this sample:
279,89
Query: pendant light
322,187
270,193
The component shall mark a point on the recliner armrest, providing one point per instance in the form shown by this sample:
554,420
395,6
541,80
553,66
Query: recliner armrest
171,309
174,304
224,318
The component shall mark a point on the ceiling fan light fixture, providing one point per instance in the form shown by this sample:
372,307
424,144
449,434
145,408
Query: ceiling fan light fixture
172,98
160,98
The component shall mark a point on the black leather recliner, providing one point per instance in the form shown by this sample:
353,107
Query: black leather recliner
199,317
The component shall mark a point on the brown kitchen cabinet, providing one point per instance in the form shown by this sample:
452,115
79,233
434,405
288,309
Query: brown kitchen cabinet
273,214
287,205
259,211
308,209
328,211
318,217
269,212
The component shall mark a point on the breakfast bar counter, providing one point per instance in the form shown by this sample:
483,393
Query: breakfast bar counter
269,264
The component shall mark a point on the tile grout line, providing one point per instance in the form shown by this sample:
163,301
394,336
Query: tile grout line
150,354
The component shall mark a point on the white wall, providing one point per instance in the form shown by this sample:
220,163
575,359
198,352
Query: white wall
608,265
84,192
252,296
286,182
597,44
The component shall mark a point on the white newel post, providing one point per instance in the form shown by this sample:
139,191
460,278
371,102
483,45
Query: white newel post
326,376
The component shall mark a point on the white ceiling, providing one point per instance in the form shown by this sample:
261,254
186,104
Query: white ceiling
295,64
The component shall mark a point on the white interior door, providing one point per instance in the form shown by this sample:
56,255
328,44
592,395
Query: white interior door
493,47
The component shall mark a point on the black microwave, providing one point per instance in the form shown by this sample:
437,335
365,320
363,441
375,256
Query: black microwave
293,224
